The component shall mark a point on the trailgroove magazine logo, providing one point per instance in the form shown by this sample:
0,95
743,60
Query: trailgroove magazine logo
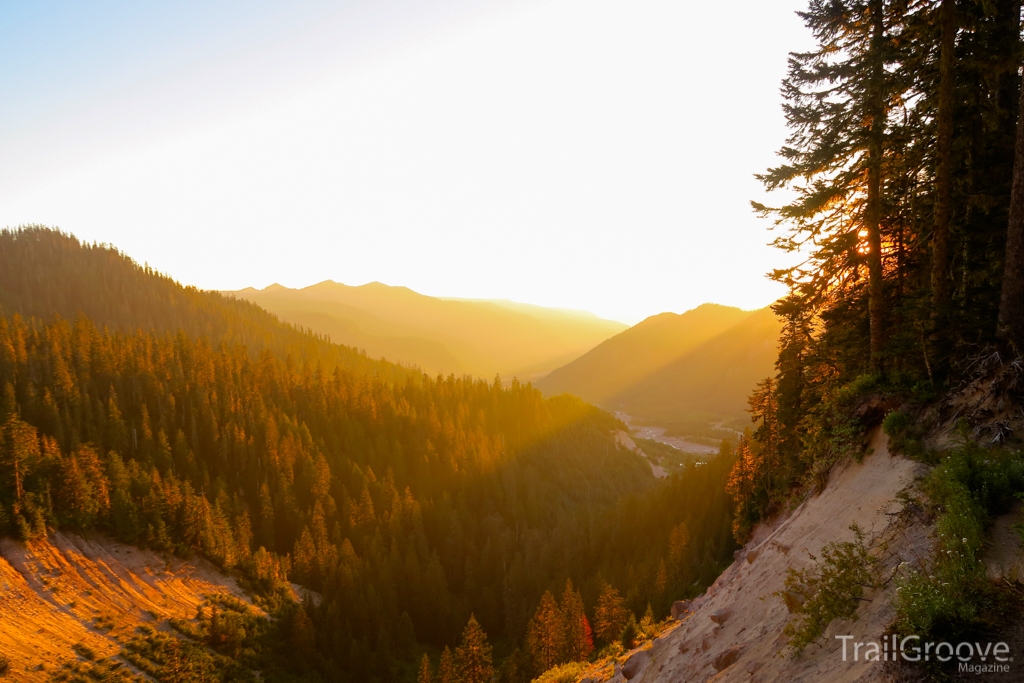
971,657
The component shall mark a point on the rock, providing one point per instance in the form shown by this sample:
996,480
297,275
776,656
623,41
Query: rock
754,667
684,648
738,555
752,555
636,664
727,658
720,616
705,644
793,601
679,608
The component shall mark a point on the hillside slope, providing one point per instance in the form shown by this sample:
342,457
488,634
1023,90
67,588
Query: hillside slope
630,356
439,335
92,592
685,372
749,644
46,273
712,381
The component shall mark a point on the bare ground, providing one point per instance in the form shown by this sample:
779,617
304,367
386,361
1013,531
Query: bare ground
752,630
70,590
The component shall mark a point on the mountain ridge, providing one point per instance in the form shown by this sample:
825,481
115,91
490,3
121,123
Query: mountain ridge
683,371
440,335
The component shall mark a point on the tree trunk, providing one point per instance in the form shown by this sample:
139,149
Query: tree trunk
943,164
873,209
1010,330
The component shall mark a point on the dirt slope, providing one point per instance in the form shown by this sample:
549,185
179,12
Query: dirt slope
863,493
71,590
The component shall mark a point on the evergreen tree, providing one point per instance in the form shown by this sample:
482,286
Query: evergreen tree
425,673
473,656
545,634
577,635
610,614
447,672
1010,331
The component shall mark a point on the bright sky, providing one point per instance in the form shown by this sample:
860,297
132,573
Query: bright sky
589,154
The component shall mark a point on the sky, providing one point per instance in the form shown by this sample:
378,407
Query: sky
586,154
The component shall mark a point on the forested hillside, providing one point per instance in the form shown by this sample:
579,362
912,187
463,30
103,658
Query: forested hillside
44,273
414,505
482,338
685,372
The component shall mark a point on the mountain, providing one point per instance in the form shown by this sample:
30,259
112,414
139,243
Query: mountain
682,371
627,358
461,336
710,382
46,273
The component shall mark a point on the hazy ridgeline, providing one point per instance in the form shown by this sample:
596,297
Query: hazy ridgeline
481,338
688,372
183,421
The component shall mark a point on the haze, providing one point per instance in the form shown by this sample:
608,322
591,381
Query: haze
586,154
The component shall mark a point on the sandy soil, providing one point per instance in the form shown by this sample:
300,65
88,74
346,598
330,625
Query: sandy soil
69,590
753,619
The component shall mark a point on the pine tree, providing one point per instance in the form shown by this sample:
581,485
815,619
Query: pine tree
545,634
609,615
19,452
425,674
630,633
577,636
473,656
303,636
446,669
836,104
746,489
1010,331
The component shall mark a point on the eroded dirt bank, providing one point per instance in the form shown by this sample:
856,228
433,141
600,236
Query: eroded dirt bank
71,591
735,630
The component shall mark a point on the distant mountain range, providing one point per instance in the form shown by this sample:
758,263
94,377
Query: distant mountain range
683,371
460,336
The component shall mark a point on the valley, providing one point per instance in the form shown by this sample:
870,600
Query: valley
645,431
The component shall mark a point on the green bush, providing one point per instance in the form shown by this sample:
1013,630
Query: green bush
905,435
947,597
833,432
830,589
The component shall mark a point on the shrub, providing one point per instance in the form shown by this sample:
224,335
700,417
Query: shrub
832,430
5,665
830,589
566,673
946,597
904,434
